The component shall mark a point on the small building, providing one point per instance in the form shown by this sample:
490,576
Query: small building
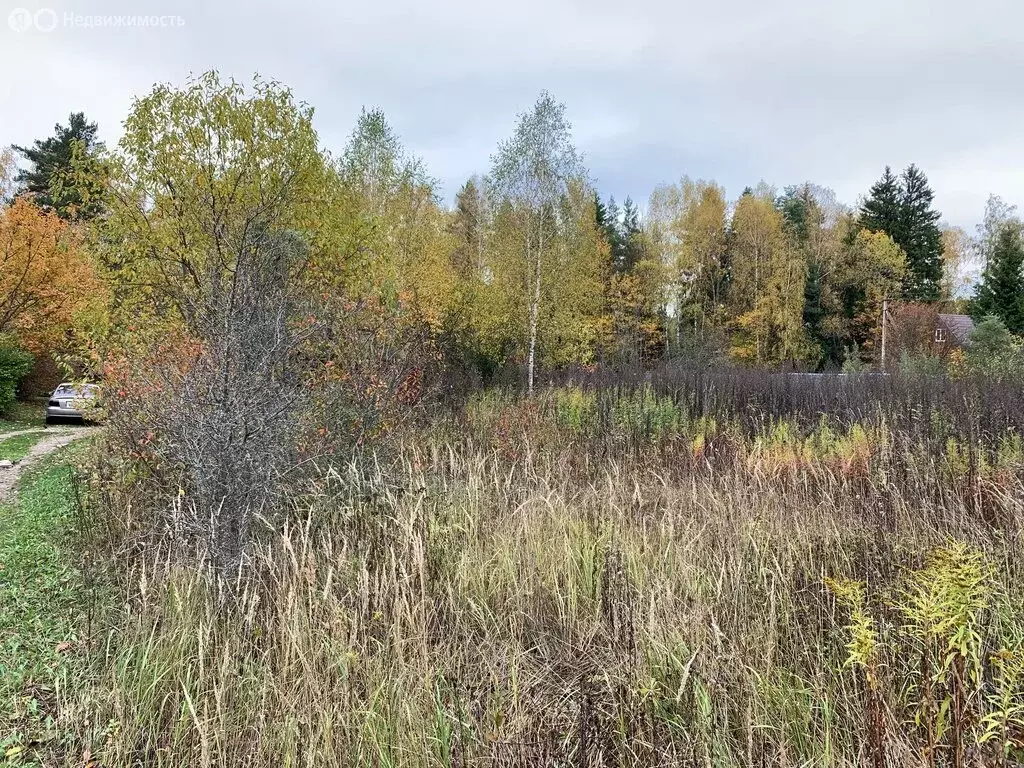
952,330
918,328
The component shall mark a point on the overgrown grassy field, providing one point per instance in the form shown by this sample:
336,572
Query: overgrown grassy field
716,575
726,573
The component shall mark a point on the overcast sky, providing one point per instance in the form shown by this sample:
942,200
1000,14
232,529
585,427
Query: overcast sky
781,90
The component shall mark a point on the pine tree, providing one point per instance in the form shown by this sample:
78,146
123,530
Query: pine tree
920,237
55,180
468,225
629,251
600,213
881,212
1001,292
612,229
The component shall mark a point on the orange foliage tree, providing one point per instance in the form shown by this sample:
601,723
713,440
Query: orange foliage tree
46,280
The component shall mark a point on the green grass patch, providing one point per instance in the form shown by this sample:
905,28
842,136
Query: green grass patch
17,448
42,607
23,416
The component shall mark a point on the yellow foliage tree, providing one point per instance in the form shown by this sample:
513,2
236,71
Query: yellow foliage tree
871,268
406,242
547,248
768,284
687,230
571,271
634,303
574,320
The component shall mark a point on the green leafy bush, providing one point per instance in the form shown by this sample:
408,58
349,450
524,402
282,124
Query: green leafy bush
994,352
576,409
15,365
921,364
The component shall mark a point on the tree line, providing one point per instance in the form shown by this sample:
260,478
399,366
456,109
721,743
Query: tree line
529,269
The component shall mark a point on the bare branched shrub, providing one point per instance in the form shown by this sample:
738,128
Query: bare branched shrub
233,422
219,413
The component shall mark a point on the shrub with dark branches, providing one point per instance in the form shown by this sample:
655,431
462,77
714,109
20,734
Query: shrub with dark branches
220,410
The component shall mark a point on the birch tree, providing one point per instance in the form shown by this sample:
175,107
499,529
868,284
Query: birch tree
530,174
687,223
404,235
769,275
8,170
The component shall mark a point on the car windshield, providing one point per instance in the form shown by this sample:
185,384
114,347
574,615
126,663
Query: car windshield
74,390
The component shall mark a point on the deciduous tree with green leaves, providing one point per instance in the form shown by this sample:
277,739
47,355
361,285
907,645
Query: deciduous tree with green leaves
993,352
217,238
405,242
870,269
997,216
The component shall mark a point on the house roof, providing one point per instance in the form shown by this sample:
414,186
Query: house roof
958,325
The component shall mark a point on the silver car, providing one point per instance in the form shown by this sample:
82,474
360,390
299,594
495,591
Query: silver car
73,401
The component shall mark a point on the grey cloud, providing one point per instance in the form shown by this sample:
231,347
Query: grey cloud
786,91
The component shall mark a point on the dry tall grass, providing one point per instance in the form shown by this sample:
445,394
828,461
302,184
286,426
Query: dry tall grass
503,592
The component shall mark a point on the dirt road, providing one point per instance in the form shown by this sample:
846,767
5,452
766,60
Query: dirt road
51,442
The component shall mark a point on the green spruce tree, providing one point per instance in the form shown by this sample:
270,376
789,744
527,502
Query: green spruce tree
64,174
629,252
902,209
920,237
1001,292
468,225
881,212
600,213
612,229
799,209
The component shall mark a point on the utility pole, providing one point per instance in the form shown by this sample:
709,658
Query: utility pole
885,315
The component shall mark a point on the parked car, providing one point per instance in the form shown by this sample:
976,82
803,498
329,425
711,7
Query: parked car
78,402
